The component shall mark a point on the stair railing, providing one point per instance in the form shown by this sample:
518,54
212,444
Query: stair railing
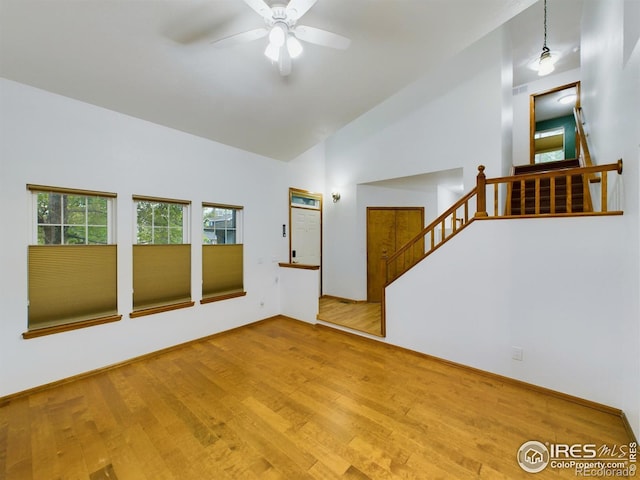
585,155
434,235
458,216
556,179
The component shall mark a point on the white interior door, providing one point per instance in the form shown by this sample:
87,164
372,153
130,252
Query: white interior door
305,236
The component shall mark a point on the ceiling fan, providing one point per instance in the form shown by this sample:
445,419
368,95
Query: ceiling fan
284,33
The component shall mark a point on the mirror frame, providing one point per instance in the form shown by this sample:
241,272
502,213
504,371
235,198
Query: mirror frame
532,115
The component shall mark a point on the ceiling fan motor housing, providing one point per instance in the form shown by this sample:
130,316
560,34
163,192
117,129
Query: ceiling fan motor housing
279,15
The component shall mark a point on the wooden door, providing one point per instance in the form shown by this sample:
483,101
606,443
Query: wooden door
388,228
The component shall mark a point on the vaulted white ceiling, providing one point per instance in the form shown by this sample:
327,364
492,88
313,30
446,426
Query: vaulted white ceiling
153,59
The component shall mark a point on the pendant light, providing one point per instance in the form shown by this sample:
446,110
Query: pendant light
545,64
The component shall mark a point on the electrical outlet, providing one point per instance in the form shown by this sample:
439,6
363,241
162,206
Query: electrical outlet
517,353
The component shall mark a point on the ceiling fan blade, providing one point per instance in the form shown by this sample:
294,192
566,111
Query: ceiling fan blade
284,62
243,37
298,8
321,37
260,7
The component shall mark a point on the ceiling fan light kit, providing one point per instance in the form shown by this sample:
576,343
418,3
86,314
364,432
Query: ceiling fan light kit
278,34
284,34
294,47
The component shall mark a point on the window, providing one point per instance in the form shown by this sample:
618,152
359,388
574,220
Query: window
161,256
72,262
222,252
220,225
161,222
549,145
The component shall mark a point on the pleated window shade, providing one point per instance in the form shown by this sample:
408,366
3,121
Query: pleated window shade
222,270
549,144
161,275
71,283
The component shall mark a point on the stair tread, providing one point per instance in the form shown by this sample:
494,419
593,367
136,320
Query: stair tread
546,166
561,193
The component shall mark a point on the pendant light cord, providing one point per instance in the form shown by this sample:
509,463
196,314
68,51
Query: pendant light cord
544,45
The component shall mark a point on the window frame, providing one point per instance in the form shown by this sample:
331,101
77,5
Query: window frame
111,223
186,213
234,253
80,318
540,154
238,220
183,248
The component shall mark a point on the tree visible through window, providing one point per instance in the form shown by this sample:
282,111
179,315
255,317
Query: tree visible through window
65,219
160,222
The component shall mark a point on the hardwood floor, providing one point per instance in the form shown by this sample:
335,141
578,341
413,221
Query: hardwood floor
282,399
362,316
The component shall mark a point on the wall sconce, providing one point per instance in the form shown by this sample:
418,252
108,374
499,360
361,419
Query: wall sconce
336,196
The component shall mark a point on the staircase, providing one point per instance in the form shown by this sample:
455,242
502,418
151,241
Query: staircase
554,194
562,188
550,189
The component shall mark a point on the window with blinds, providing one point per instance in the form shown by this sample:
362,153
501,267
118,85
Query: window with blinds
72,261
161,256
222,252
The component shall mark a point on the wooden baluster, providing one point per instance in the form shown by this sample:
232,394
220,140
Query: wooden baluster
444,233
522,196
481,194
569,194
433,240
604,194
454,222
466,211
552,193
496,209
509,199
537,196
587,205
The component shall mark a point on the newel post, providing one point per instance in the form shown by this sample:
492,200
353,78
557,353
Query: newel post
481,192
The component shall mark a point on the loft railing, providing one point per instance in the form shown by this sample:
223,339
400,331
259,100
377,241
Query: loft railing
459,215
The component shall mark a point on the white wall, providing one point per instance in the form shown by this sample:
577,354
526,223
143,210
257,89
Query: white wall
307,172
52,140
448,119
299,289
610,55
560,289
566,291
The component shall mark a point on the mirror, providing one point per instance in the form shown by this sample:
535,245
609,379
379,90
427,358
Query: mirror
553,125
